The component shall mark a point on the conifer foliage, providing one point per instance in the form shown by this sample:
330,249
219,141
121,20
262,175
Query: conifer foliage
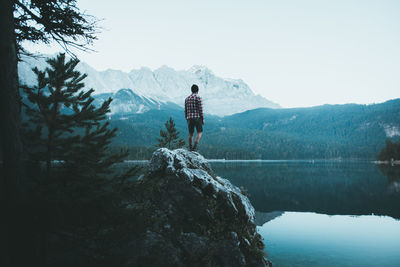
67,127
53,20
170,137
71,136
35,21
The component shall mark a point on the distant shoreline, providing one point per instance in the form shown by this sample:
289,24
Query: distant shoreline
275,160
396,162
387,162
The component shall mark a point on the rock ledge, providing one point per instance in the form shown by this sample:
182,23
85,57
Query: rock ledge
197,218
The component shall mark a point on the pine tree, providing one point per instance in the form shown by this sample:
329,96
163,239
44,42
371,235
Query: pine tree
68,127
65,127
33,21
170,137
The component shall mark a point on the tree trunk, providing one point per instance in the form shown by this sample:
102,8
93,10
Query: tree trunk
10,130
49,154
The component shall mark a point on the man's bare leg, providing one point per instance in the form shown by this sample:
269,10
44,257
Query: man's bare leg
196,140
190,140
198,136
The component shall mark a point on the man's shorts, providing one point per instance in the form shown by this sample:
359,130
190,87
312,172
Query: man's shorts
198,123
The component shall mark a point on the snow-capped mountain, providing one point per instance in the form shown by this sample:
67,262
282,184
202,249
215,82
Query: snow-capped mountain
220,96
125,101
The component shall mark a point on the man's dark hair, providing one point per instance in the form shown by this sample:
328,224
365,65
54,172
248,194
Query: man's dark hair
195,88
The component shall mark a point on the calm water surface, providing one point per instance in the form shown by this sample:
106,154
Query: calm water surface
331,213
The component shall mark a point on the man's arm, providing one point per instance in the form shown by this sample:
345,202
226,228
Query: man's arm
186,109
201,109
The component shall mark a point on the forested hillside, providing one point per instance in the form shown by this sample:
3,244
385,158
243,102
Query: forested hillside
329,131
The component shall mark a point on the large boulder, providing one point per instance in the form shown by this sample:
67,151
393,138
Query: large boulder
196,219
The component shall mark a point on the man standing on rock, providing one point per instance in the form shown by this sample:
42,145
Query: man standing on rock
194,116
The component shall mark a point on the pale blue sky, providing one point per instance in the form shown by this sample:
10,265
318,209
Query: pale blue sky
296,53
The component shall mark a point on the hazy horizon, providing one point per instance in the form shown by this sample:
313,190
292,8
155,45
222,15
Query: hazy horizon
294,54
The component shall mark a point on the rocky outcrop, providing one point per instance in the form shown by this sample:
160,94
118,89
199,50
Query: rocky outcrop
196,219
263,217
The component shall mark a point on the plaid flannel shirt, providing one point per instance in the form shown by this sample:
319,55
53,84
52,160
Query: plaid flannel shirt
194,107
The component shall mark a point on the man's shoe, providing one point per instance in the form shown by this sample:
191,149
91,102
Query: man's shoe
194,147
190,147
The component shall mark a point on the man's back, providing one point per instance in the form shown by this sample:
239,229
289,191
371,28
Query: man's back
193,107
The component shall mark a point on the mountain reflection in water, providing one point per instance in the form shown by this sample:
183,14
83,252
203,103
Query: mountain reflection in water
328,187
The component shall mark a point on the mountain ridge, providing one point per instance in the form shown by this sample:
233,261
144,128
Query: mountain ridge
221,96
320,132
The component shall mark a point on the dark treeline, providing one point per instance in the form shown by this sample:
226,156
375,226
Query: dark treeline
218,152
208,151
390,152
270,149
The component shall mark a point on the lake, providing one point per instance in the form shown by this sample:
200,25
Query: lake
323,213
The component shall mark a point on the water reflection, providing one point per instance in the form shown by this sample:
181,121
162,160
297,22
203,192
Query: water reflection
309,239
329,187
393,175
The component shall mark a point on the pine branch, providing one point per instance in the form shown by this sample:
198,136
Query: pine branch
61,22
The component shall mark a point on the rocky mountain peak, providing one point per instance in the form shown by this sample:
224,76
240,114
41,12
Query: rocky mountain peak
221,96
200,70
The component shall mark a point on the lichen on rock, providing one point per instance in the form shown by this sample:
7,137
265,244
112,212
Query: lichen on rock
197,218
